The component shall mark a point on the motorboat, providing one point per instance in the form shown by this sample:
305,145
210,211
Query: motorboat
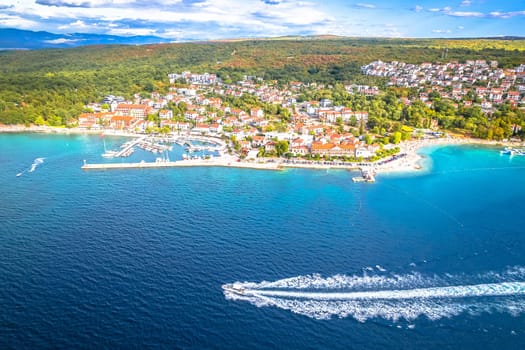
233,288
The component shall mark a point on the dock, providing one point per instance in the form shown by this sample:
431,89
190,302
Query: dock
214,145
367,175
182,164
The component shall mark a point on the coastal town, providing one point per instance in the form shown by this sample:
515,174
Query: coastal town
261,119
297,129
267,124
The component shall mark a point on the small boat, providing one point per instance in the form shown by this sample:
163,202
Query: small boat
232,288
507,150
109,154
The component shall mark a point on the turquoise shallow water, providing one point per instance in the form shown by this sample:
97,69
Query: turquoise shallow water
137,258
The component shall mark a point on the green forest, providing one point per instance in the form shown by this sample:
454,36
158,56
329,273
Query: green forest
54,84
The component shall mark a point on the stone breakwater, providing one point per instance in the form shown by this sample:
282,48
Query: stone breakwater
182,164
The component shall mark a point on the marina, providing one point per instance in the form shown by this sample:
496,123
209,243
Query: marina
160,145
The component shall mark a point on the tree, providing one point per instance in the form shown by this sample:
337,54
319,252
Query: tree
39,121
281,147
397,136
54,121
361,127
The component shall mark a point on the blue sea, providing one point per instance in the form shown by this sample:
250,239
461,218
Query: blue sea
138,258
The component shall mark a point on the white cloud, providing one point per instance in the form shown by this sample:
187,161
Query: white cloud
107,3
448,11
78,24
466,3
61,41
17,22
225,18
366,6
442,31
506,15
205,19
494,14
132,31
465,14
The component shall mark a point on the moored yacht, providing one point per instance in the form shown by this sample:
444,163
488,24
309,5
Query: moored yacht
109,154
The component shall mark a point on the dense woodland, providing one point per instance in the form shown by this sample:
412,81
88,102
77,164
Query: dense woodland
55,84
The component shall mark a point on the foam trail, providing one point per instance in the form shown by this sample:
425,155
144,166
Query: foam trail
391,297
33,166
480,290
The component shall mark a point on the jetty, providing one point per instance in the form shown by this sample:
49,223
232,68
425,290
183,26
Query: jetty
210,145
182,164
367,175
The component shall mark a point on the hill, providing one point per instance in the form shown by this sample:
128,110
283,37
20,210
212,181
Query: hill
58,82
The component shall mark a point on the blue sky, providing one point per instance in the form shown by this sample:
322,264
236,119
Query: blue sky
181,20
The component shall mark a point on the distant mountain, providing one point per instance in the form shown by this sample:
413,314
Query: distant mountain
16,39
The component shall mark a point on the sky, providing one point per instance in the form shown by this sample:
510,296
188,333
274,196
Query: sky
182,20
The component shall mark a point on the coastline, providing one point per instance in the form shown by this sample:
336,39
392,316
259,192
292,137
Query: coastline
62,131
411,162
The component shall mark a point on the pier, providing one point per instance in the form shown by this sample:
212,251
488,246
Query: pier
182,164
151,146
128,148
217,145
367,175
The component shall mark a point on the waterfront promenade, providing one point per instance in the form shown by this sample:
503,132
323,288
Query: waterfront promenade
233,162
212,162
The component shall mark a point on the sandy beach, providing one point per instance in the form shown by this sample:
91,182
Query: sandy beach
413,160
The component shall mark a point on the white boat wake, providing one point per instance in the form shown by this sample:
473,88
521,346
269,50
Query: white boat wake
392,298
33,166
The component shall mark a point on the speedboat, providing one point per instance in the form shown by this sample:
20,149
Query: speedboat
233,288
